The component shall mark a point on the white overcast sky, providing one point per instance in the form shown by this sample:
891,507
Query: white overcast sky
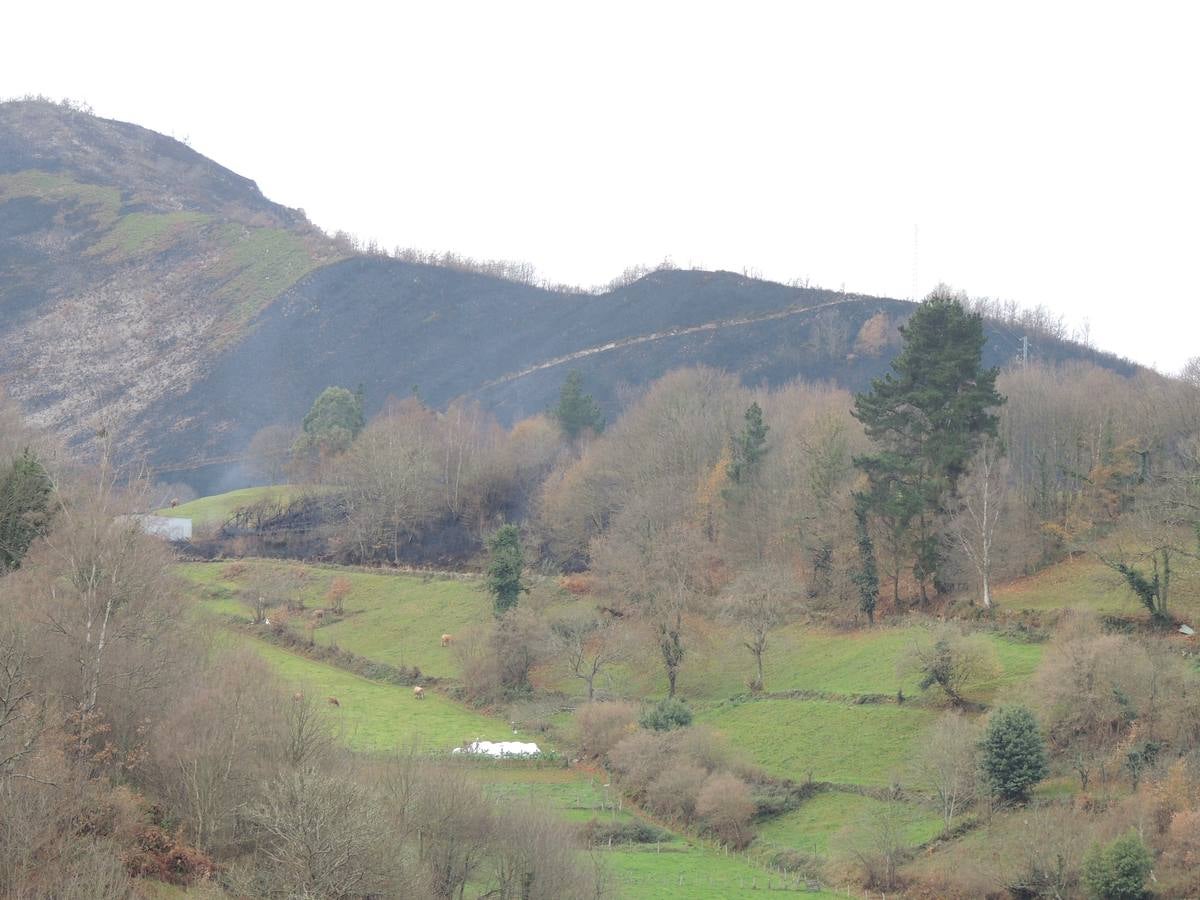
1048,152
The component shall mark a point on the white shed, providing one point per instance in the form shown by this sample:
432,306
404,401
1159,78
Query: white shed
171,528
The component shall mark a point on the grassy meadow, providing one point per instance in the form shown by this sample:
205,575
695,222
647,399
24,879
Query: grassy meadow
831,714
214,511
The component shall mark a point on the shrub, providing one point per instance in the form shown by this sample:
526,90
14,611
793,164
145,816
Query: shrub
1014,754
726,807
600,726
339,590
637,759
600,831
1118,871
673,793
703,746
668,713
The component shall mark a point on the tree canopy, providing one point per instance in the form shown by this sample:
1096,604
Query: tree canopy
927,418
24,507
506,562
577,412
333,422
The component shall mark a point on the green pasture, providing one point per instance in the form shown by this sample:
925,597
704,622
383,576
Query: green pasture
214,510
383,717
810,827
390,617
695,872
844,743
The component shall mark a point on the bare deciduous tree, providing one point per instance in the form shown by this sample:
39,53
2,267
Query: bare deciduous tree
760,600
974,526
947,765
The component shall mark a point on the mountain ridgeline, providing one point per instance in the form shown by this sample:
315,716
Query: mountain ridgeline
147,290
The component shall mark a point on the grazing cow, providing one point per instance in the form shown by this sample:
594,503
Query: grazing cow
418,692
333,701
298,696
446,639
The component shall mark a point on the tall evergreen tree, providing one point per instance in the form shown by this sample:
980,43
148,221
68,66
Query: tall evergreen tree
24,507
506,562
576,411
927,418
867,577
749,447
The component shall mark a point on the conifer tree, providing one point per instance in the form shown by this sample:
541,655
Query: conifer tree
24,507
749,447
927,418
576,411
505,565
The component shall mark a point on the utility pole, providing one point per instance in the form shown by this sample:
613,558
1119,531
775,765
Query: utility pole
1025,352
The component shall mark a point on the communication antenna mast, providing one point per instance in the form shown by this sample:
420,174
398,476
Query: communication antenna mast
916,295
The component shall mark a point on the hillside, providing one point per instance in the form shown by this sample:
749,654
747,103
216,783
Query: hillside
150,290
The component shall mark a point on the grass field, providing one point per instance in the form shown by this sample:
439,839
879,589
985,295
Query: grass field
838,742
399,618
391,617
1086,583
695,872
383,717
811,827
578,794
206,512
718,667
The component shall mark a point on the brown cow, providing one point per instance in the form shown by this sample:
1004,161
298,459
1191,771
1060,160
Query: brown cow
418,692
333,701
446,639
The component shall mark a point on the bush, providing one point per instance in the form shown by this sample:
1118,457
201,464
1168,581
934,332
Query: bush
668,713
1119,870
1014,754
703,746
637,759
600,726
600,831
673,794
726,807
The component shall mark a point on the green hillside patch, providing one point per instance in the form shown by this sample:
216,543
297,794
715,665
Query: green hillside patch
391,617
811,827
696,873
400,619
580,796
141,232
843,743
216,509
259,264
102,203
379,717
798,658
1086,583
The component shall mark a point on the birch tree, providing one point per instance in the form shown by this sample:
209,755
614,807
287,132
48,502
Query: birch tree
976,523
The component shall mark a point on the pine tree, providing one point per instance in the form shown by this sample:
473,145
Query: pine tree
24,507
505,565
1014,754
927,418
576,411
749,447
